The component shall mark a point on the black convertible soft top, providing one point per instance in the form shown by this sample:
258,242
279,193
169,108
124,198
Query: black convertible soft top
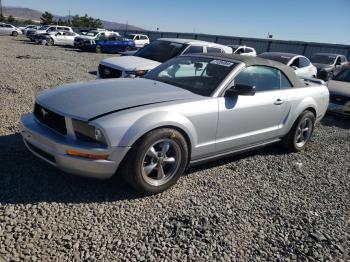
251,61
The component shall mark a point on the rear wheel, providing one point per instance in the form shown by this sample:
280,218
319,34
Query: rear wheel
98,49
126,49
301,132
156,162
14,33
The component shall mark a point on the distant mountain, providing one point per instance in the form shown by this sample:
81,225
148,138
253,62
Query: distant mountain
22,13
27,13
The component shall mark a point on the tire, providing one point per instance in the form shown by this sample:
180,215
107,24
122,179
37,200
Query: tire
156,161
14,33
50,42
127,48
301,132
98,49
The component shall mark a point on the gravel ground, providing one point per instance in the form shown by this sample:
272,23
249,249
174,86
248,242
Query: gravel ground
265,205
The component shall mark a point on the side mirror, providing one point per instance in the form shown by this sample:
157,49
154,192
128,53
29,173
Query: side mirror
295,67
240,90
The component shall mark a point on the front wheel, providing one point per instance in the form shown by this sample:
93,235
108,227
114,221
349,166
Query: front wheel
301,132
98,49
14,33
156,162
50,42
127,48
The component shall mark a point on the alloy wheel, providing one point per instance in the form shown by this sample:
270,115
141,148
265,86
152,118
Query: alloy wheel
303,132
161,162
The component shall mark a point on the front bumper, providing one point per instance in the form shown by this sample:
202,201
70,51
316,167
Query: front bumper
52,147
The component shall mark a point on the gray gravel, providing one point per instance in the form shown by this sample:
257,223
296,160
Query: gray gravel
264,205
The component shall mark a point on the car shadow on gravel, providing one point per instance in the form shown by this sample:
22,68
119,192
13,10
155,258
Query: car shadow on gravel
275,149
26,179
339,121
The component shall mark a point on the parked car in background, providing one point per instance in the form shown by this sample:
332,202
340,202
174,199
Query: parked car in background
65,38
90,36
243,50
153,55
139,39
109,43
7,29
32,34
29,27
329,64
301,64
191,109
339,89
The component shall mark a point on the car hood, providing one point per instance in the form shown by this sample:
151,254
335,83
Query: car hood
338,87
323,66
90,100
130,63
37,32
86,37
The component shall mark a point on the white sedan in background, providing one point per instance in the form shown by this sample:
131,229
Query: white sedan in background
139,39
7,29
243,50
301,64
58,38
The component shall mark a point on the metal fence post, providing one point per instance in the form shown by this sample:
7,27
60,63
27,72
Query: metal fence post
304,50
269,46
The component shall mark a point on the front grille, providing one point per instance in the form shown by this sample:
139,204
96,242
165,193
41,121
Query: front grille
50,119
42,153
108,72
338,99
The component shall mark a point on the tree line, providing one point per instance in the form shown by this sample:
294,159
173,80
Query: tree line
76,21
48,19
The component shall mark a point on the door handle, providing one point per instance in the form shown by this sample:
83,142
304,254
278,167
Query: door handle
279,101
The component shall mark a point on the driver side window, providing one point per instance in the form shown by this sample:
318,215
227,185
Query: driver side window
262,77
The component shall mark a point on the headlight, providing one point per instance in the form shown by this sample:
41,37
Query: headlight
137,73
89,133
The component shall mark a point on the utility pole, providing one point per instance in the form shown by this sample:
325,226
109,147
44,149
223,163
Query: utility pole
68,16
1,14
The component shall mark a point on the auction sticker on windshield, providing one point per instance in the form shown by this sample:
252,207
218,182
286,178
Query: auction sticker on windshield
221,63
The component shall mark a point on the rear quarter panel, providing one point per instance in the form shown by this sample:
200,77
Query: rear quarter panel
300,99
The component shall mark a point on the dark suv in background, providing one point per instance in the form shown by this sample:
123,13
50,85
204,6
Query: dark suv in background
328,64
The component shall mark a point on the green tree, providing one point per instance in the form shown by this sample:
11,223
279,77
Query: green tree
2,18
46,18
11,19
85,21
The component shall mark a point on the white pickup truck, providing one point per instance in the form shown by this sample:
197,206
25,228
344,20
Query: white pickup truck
153,55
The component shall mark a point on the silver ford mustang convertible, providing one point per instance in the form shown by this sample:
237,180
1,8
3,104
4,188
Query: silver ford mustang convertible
188,110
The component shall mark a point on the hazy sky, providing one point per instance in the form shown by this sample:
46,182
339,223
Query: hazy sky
305,20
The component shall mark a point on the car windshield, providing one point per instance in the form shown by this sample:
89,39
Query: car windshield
284,59
161,51
199,75
44,27
129,36
343,76
323,59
